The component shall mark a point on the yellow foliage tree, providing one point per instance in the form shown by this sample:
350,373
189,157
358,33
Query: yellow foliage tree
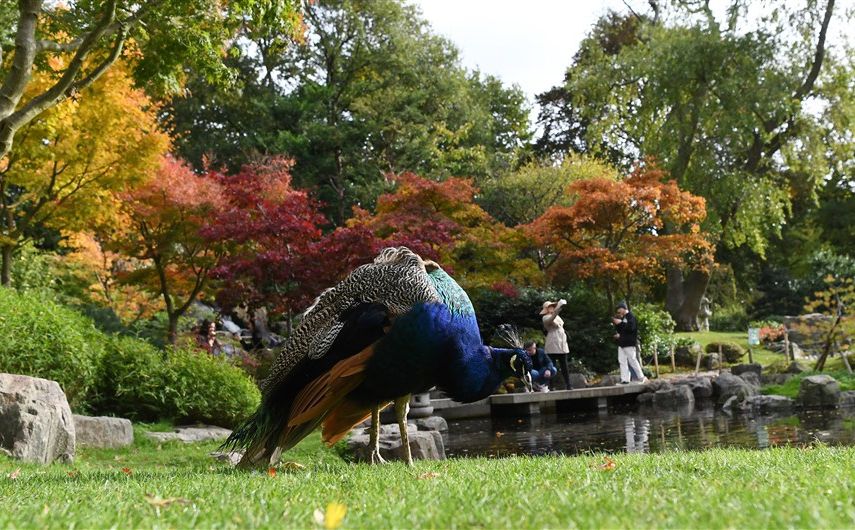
71,159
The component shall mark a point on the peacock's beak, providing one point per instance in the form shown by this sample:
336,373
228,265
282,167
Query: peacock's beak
527,382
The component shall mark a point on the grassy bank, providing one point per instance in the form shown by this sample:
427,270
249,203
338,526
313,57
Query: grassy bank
761,355
791,387
178,486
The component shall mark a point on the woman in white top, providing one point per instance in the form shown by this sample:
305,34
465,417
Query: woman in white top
556,339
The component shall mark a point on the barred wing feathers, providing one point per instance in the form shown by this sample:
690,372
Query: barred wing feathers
396,279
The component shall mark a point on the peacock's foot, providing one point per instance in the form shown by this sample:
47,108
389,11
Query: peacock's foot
376,458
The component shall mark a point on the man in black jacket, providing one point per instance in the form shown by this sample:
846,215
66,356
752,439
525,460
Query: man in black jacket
627,337
542,367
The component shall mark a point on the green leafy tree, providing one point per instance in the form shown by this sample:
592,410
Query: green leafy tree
370,91
54,51
722,103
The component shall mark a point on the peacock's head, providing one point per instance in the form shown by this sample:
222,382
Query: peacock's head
515,362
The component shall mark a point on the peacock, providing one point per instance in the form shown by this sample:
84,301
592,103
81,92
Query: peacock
397,326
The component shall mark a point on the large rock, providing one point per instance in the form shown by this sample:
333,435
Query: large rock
819,391
189,434
701,386
575,381
767,404
795,368
752,379
727,385
609,380
668,397
424,445
775,379
432,423
35,420
847,399
740,369
102,431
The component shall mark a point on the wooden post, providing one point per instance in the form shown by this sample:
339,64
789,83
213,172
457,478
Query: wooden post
787,346
720,359
656,358
845,357
750,356
698,363
673,363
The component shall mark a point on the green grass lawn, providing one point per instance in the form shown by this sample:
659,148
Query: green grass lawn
761,355
179,486
791,387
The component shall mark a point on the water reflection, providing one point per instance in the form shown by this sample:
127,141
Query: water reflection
634,431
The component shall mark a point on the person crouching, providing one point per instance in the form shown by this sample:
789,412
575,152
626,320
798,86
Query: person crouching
542,367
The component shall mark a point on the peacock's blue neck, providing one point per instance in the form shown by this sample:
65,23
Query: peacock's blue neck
451,294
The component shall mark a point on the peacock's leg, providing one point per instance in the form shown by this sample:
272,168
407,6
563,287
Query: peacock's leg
375,436
402,408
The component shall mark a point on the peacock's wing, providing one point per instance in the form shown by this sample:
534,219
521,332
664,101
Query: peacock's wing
325,356
396,279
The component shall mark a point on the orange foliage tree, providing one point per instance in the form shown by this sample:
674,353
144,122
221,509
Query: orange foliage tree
166,218
617,232
440,220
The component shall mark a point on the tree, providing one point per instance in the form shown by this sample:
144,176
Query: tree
164,35
440,221
275,253
837,325
370,91
721,103
166,218
617,232
71,158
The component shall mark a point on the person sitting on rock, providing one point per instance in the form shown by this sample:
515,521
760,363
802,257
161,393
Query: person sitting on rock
542,367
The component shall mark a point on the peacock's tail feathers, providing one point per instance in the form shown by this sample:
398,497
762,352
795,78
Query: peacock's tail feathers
267,434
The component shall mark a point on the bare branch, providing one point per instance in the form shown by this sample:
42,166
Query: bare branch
818,57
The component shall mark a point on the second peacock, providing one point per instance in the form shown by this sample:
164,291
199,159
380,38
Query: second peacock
397,326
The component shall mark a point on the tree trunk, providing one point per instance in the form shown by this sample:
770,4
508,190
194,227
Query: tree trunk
6,271
172,330
683,299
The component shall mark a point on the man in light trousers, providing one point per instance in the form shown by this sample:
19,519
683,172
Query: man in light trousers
627,337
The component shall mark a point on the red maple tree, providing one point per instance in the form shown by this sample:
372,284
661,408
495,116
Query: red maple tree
616,232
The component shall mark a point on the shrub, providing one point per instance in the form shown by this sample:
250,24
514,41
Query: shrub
655,329
42,338
729,318
589,331
182,385
732,352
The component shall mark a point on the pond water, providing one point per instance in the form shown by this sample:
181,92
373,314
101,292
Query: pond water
631,430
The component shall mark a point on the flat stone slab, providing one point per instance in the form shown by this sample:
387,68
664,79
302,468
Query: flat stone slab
196,433
561,395
103,431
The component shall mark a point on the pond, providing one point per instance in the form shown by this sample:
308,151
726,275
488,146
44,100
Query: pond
631,430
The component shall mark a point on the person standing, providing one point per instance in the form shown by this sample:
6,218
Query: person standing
626,327
556,338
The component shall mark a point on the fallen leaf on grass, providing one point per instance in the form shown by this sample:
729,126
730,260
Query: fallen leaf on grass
271,472
428,475
127,471
291,466
333,517
73,473
158,502
608,465
15,474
